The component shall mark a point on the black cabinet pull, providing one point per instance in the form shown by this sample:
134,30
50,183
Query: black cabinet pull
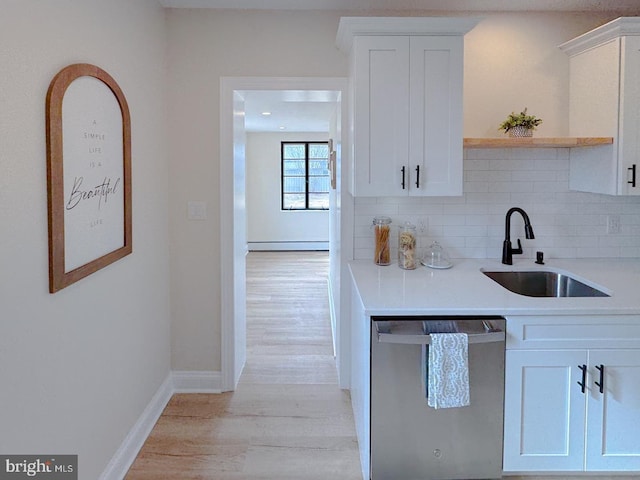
402,170
583,383
600,384
417,176
632,182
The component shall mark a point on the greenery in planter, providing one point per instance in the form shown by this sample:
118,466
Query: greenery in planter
530,122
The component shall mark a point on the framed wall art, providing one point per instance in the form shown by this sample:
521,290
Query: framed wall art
88,174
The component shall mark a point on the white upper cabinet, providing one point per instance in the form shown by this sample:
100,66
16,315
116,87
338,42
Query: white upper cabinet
435,121
381,116
605,101
406,77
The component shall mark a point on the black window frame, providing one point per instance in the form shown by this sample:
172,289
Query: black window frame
306,144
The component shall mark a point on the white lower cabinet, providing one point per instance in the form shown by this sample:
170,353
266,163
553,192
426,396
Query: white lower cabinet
613,417
544,411
552,422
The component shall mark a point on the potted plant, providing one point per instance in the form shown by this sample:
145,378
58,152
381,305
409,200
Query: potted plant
520,124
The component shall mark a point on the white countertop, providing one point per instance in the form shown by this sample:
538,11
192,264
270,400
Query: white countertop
465,290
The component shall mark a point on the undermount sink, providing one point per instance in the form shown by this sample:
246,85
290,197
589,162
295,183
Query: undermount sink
541,283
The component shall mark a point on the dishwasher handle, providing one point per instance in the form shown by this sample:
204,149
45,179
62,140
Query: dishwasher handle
425,339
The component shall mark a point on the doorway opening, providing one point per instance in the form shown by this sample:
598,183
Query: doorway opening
233,216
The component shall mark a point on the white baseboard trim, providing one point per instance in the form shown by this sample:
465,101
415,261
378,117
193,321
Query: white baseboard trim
332,316
197,382
126,454
284,246
176,382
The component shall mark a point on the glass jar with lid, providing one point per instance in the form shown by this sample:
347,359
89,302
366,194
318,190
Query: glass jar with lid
407,252
381,231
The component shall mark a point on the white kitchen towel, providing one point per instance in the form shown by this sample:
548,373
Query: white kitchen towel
448,370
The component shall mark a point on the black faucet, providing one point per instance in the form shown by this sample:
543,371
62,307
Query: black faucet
507,250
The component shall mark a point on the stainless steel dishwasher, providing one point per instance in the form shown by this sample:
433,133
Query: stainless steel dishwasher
409,439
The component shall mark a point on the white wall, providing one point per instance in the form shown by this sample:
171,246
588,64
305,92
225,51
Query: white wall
511,61
78,367
267,223
202,47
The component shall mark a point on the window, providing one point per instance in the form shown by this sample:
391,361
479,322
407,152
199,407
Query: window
305,175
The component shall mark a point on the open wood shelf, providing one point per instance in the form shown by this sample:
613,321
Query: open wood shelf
533,142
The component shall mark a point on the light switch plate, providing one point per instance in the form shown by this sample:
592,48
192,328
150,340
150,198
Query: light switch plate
196,210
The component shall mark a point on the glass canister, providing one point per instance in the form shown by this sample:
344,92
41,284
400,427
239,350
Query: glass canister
407,252
381,231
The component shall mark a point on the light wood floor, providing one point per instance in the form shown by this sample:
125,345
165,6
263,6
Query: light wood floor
287,419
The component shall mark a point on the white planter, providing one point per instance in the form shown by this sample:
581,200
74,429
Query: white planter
520,132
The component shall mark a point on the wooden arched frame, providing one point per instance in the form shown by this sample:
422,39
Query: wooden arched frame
92,195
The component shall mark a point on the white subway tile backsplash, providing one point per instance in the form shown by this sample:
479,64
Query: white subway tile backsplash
421,209
474,164
616,241
489,198
537,176
479,219
455,210
512,187
510,164
465,231
567,224
549,187
628,252
446,219
476,242
578,241
476,186
472,154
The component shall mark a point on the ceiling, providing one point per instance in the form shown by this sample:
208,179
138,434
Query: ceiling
291,110
299,111
620,6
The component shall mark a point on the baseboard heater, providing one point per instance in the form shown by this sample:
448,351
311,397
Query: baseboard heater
284,246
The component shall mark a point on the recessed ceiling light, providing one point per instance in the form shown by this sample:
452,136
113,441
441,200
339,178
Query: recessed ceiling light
266,114
282,127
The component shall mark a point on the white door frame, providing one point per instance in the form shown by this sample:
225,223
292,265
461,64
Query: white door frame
232,301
